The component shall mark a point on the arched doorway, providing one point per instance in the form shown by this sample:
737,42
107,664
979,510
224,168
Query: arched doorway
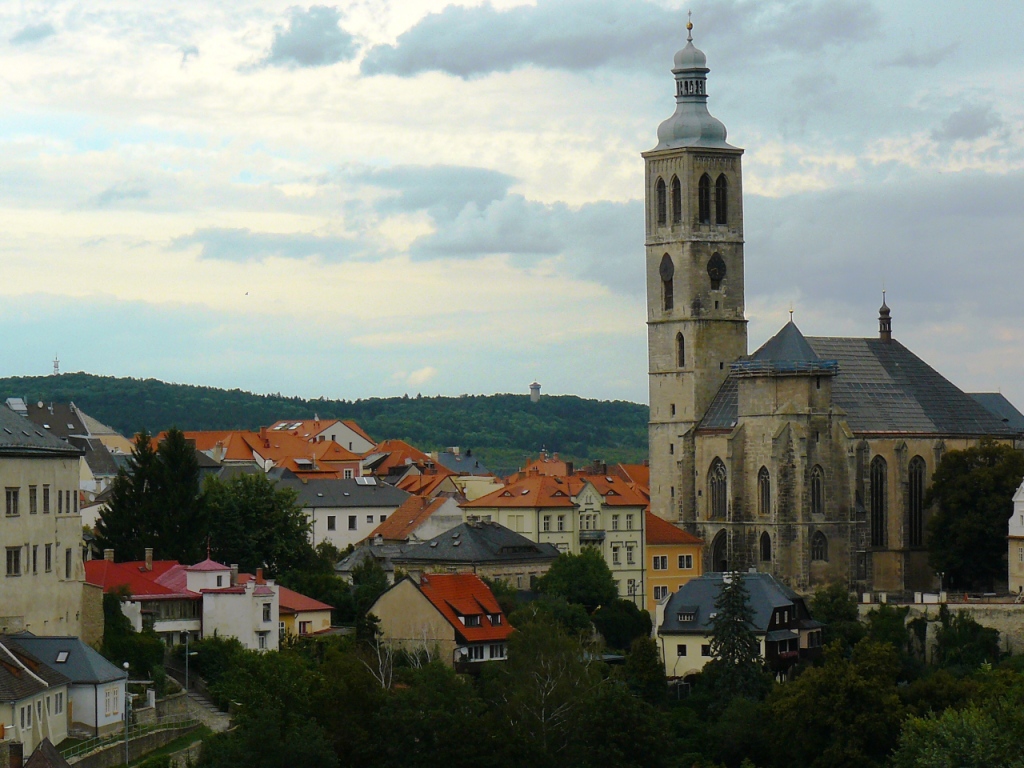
720,553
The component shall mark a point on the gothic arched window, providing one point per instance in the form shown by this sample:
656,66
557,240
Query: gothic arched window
916,477
817,490
766,548
879,500
667,270
720,553
704,199
662,204
677,201
764,492
680,351
819,546
717,488
721,200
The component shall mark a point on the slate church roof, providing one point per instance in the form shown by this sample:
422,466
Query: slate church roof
882,386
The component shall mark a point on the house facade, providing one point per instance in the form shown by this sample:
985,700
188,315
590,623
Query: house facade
674,556
301,615
781,621
570,513
452,617
40,531
1015,542
34,698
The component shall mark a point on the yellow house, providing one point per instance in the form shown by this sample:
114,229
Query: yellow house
301,615
673,558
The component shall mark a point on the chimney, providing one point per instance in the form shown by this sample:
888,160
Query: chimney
149,558
234,574
108,555
259,576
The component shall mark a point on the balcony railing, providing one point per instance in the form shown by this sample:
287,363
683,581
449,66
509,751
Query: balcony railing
591,535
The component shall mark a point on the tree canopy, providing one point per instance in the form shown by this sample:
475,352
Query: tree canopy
736,667
584,579
972,491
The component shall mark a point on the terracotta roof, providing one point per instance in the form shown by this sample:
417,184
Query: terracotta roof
293,602
658,531
396,454
465,594
307,429
640,474
140,582
541,491
208,565
424,485
400,524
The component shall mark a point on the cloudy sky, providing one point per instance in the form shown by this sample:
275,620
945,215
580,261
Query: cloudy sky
390,196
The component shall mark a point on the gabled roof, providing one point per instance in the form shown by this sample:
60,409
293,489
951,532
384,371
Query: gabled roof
997,404
340,493
82,665
478,542
413,512
45,755
658,531
541,491
465,594
461,463
697,597
208,565
291,602
424,484
392,456
22,674
21,437
883,388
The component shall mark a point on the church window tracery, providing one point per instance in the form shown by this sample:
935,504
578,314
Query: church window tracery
704,199
680,350
817,490
916,472
717,488
716,271
721,200
662,203
677,201
879,500
764,492
766,548
819,546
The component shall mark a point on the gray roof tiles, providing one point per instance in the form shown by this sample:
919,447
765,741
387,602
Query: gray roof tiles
698,597
997,404
82,665
20,437
883,388
15,682
344,493
479,542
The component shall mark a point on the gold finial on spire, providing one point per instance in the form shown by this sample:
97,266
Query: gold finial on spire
791,312
689,26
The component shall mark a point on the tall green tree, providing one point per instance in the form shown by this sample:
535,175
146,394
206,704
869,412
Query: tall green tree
621,622
836,608
736,667
156,502
972,491
960,641
584,578
256,524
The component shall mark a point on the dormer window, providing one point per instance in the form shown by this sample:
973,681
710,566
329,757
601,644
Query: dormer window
685,617
495,619
472,620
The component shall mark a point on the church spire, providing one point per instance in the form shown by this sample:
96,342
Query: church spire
691,125
884,321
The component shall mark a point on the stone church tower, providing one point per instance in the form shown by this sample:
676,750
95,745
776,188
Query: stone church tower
695,315
809,459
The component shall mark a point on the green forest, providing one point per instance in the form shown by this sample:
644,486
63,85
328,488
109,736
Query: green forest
500,429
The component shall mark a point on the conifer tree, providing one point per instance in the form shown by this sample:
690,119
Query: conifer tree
736,668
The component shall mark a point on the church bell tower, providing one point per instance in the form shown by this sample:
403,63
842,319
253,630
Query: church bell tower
695,314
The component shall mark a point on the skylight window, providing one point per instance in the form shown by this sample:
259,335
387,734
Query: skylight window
62,656
524,491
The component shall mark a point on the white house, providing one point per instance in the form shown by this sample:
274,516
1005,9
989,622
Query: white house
1015,539
247,607
97,687
347,434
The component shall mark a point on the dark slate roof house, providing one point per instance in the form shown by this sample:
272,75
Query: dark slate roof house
478,543
781,618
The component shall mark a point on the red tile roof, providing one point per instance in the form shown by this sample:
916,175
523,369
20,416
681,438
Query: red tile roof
658,531
466,595
292,602
424,485
413,512
399,451
208,565
166,581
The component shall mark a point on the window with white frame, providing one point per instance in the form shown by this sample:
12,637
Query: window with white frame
615,556
686,562
629,522
266,611
681,649
351,522
14,561
661,562
561,522
546,523
476,653
660,592
497,650
12,502
262,640
629,555
332,522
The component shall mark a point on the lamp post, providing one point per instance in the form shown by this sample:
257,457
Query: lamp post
127,706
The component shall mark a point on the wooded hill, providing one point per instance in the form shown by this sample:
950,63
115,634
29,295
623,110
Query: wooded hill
502,430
